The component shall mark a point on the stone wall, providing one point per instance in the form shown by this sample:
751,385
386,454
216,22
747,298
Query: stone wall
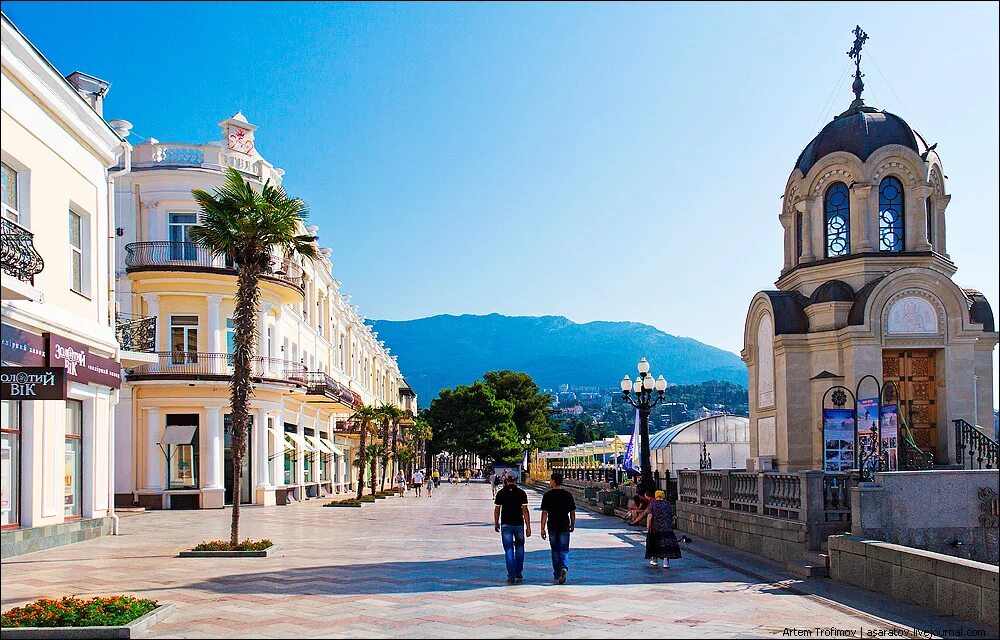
951,586
787,541
930,510
20,541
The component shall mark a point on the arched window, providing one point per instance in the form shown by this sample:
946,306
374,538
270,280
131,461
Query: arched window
838,220
929,212
890,215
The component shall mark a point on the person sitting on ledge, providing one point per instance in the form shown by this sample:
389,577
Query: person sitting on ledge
638,510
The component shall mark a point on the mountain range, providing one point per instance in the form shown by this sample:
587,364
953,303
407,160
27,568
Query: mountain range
446,350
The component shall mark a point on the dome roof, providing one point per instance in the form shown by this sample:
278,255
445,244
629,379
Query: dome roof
832,291
862,131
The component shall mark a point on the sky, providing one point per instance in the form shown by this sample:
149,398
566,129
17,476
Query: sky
597,161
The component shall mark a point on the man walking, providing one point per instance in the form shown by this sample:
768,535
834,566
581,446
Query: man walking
512,521
559,513
418,480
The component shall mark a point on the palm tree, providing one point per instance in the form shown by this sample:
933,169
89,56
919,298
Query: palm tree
420,433
248,226
377,453
364,416
389,416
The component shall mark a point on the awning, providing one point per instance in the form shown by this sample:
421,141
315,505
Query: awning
317,443
279,436
300,440
178,434
334,449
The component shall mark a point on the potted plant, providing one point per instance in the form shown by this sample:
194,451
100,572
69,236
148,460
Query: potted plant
117,616
225,549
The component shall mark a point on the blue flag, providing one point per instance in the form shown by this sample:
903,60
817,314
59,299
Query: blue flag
629,463
524,463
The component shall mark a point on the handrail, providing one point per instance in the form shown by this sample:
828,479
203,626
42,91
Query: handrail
200,364
189,256
320,383
980,449
18,256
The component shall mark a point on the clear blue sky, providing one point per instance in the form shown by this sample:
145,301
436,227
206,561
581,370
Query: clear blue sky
612,162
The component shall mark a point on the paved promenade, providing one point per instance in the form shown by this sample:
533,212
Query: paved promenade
409,567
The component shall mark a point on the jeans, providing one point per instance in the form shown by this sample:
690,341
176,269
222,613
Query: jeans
559,542
512,536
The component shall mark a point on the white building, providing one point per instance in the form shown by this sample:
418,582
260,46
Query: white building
317,360
58,322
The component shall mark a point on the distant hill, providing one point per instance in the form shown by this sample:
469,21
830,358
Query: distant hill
446,350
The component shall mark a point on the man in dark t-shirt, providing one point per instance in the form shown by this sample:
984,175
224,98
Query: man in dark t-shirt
512,521
559,513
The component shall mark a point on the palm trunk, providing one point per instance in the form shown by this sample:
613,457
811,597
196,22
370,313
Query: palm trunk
241,385
362,443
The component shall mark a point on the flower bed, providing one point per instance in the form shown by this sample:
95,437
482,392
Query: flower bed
344,503
222,549
101,611
224,545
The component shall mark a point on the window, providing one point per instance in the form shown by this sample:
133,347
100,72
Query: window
227,462
929,214
182,468
11,211
890,215
76,251
324,462
231,338
10,462
179,233
73,473
184,339
798,234
290,456
838,220
307,458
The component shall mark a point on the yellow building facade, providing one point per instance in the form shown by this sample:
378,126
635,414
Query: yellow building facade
316,363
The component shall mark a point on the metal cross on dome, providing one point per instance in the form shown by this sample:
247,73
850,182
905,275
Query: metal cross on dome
860,37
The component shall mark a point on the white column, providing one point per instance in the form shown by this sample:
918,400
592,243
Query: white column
316,456
278,461
864,223
154,456
300,452
261,448
215,337
213,455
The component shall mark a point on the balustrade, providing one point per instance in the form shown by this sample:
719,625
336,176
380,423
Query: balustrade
136,333
974,449
199,364
18,257
188,256
744,489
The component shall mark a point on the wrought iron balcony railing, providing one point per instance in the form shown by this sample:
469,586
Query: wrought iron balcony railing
199,365
188,256
319,383
976,450
18,256
136,333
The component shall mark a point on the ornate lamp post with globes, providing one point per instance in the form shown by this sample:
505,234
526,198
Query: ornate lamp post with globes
639,394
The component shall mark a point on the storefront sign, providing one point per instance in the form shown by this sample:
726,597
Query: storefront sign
18,346
81,364
32,383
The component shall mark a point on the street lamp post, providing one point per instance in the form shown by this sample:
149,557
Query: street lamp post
639,394
526,445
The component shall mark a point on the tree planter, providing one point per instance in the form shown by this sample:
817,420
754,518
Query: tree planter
262,553
344,503
131,630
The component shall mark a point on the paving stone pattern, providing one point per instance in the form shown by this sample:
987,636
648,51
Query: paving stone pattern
433,567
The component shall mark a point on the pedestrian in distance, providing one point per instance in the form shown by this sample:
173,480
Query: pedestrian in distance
400,482
661,543
437,478
559,516
418,480
513,522
496,484
430,486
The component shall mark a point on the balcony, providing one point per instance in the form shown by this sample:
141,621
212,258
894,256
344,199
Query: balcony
136,336
212,157
199,365
20,261
325,389
190,257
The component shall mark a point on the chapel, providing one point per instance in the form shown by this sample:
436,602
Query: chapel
866,289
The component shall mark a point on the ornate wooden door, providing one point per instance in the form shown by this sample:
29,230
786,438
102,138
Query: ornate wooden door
913,372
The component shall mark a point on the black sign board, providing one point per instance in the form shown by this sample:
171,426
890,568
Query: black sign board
32,383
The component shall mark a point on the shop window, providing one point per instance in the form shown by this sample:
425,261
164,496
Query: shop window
10,462
73,473
182,470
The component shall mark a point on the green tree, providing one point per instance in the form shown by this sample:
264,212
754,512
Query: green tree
471,420
248,226
364,417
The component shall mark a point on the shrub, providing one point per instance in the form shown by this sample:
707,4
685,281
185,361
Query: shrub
223,545
101,611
